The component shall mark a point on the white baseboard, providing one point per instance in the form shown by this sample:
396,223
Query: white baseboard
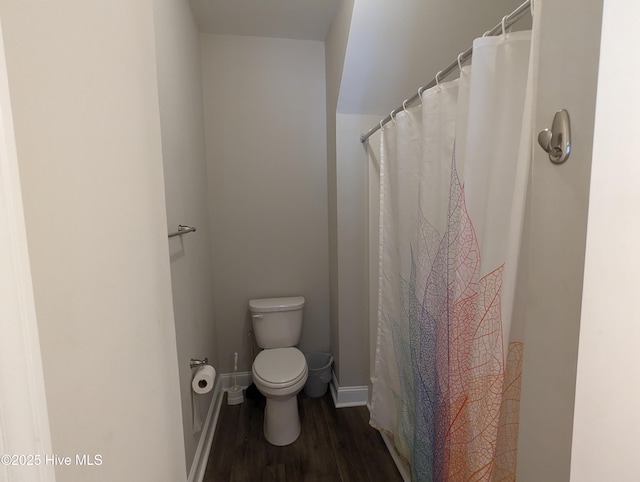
200,459
348,396
244,380
223,383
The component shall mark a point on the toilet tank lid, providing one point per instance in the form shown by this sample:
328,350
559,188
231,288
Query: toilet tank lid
276,304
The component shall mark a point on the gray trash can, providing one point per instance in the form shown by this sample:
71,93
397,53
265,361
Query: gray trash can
319,373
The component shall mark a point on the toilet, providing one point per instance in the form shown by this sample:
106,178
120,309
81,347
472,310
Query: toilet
280,369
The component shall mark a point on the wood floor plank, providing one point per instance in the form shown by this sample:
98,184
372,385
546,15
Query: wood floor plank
334,445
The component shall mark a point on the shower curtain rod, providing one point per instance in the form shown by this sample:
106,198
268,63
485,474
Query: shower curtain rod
506,22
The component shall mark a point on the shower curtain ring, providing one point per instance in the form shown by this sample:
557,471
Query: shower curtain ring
460,62
504,22
438,78
420,91
381,128
404,105
391,114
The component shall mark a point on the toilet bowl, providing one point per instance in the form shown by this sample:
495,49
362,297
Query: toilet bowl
280,374
280,370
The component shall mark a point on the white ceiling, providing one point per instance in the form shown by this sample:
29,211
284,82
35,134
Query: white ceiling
292,19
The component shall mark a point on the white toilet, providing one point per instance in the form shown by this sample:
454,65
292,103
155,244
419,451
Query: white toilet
280,370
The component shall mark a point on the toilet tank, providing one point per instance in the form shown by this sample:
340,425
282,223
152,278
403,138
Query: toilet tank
277,322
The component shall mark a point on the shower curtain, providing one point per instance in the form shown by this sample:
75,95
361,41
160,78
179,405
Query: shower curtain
453,181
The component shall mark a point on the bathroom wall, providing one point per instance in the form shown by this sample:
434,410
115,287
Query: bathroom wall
264,102
185,179
23,418
605,429
557,237
83,88
335,49
353,253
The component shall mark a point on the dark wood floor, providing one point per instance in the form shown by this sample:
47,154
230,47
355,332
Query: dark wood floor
335,445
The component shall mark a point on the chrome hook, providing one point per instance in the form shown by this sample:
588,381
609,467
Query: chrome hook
557,141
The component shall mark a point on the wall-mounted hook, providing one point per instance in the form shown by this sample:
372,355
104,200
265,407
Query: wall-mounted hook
557,141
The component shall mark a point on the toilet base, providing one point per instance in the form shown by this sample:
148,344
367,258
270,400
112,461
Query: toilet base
281,420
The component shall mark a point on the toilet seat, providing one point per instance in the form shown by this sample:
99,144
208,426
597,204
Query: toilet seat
279,367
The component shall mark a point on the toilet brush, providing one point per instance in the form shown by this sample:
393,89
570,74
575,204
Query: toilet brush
234,394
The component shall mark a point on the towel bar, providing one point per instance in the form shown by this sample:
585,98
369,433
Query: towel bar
182,229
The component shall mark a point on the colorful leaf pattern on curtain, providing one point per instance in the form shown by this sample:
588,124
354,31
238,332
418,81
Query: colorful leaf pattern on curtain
463,379
449,360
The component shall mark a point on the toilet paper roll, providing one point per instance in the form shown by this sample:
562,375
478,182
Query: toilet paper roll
203,379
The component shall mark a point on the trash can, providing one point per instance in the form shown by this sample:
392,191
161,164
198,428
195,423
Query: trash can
319,365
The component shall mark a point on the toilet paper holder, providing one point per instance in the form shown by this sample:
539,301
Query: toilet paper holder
195,363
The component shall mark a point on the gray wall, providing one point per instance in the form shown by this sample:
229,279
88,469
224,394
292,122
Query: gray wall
605,426
353,225
84,94
185,179
557,238
264,103
335,49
